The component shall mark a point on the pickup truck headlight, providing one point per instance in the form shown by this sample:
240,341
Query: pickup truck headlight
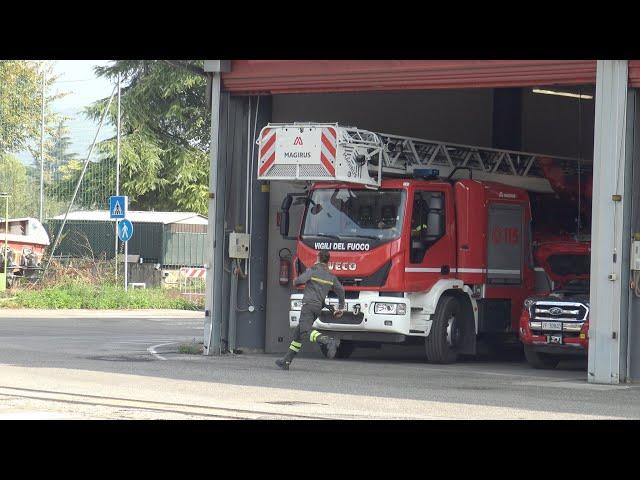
296,304
390,308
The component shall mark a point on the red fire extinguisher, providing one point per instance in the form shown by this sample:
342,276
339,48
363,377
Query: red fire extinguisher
285,266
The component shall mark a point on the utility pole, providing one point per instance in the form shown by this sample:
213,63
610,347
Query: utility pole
44,75
118,177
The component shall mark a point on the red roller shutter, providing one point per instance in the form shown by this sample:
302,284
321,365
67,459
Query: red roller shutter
634,73
307,76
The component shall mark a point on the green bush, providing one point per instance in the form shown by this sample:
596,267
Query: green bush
69,294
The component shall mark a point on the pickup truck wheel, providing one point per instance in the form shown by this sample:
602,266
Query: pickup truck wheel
447,331
345,349
539,360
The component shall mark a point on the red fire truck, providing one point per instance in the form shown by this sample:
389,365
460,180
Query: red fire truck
442,261
555,324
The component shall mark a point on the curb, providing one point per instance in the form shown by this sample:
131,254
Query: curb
68,313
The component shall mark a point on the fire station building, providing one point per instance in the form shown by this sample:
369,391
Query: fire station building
585,109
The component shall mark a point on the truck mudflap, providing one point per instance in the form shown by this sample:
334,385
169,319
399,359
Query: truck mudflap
371,312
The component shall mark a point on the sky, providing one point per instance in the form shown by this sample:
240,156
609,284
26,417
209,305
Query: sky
77,77
83,87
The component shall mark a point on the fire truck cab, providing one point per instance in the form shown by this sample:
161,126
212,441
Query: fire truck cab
443,261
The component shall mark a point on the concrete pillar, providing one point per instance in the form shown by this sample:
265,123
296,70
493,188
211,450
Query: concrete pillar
610,243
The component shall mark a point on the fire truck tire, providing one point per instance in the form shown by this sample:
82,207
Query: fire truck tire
446,331
345,349
540,360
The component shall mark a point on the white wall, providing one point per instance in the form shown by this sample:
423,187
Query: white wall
464,116
550,123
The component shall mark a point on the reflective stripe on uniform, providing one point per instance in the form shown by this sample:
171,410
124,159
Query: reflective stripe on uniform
314,335
296,344
294,347
320,280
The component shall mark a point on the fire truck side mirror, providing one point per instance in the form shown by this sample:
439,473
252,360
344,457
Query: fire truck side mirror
283,216
284,223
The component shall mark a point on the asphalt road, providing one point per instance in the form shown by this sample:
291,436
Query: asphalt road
130,368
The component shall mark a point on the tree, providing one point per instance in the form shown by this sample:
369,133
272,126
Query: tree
164,133
59,153
21,105
19,181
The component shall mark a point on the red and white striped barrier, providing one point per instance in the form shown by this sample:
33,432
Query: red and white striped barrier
193,272
328,150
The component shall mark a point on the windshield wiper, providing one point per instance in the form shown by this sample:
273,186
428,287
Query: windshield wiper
371,237
325,235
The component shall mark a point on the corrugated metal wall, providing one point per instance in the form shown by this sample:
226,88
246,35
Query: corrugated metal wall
634,73
154,242
183,248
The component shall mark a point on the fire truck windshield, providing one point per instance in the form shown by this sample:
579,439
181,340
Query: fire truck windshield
348,215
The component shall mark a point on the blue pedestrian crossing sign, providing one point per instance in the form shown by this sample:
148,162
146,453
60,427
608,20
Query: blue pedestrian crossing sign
125,230
118,206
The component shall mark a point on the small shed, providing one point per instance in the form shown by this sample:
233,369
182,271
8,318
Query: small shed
167,238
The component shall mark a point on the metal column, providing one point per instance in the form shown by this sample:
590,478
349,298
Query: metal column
215,232
610,243
633,153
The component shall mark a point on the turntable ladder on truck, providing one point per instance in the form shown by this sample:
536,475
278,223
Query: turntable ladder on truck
330,152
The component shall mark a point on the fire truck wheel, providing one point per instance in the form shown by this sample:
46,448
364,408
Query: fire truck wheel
447,331
539,360
345,349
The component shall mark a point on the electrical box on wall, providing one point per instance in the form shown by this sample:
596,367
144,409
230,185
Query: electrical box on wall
239,244
635,255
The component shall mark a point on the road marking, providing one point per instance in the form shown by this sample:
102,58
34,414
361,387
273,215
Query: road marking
152,350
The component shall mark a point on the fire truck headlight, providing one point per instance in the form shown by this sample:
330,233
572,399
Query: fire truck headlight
390,308
528,302
296,304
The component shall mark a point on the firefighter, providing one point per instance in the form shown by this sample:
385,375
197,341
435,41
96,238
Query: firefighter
318,282
415,231
417,224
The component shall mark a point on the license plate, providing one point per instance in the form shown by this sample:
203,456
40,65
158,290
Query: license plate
555,339
552,326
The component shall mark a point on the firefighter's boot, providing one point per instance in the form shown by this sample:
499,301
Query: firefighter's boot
284,362
330,343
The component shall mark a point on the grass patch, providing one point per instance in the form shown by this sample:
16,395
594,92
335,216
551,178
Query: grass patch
190,348
98,297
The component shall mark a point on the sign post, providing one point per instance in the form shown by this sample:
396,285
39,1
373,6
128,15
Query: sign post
118,206
125,232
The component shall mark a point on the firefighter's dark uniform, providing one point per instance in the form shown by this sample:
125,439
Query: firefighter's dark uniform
319,281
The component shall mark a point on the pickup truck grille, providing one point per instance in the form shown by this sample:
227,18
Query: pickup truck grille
547,311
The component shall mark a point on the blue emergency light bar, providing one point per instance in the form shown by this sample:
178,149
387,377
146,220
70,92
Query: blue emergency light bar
426,173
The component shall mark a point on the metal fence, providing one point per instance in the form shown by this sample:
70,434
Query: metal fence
56,162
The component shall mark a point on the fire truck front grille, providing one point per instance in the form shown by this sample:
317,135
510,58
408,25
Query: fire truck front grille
559,312
313,171
281,171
